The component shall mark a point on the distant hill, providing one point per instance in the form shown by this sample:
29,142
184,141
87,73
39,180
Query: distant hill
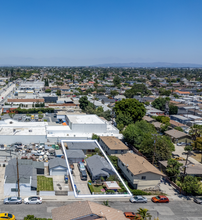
156,64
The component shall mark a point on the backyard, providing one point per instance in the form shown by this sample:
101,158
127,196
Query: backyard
196,156
44,183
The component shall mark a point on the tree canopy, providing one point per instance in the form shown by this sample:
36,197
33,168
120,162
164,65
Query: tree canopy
173,168
137,89
128,111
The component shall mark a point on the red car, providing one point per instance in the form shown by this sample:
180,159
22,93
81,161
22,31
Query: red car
132,215
160,199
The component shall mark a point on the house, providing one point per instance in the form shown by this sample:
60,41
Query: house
39,166
75,156
179,118
148,119
86,210
181,92
112,145
107,101
192,169
153,111
57,166
178,136
28,171
138,171
98,167
86,147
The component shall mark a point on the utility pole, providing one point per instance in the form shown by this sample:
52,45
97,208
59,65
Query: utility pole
154,148
18,179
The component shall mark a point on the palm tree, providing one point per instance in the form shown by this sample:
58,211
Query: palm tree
195,131
144,214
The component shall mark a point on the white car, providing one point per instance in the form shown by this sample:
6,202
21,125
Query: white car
138,199
33,200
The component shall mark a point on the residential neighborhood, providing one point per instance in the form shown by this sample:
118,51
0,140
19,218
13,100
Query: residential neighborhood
98,134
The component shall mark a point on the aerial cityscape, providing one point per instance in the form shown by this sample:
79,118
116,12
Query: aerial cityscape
101,110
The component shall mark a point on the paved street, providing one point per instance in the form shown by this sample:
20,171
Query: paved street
174,210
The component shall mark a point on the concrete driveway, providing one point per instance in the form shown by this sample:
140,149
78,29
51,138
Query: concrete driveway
59,183
82,185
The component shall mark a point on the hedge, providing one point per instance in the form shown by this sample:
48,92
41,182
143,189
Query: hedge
90,186
34,110
31,217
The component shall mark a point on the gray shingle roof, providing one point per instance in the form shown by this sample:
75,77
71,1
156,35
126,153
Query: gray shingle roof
35,164
75,154
99,166
82,145
57,162
25,172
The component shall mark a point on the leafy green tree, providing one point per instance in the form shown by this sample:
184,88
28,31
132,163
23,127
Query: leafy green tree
164,92
116,81
145,215
179,129
137,89
198,145
161,149
173,168
113,93
129,108
48,91
160,103
191,185
173,109
95,137
155,83
135,133
83,102
58,93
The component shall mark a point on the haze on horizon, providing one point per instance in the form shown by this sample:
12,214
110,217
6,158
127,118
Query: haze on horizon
78,33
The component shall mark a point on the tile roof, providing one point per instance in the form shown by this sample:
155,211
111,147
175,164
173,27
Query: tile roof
137,164
86,208
114,143
180,92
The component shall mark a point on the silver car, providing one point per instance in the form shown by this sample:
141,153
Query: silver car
13,200
198,200
33,200
138,199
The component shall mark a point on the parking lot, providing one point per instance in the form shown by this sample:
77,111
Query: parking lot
23,117
82,185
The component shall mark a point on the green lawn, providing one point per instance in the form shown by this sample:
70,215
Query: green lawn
44,183
98,188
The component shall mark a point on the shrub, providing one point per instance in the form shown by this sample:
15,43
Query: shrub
90,186
139,192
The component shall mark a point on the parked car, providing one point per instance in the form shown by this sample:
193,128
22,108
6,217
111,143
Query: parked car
13,200
160,199
198,200
8,216
83,175
132,215
81,166
33,200
55,115
138,199
181,143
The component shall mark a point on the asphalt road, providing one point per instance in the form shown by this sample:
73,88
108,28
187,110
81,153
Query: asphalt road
175,210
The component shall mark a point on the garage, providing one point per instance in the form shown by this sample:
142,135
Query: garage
57,167
75,156
58,171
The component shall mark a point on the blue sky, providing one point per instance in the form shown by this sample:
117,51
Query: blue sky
88,32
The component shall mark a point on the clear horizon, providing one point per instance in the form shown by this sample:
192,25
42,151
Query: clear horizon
86,33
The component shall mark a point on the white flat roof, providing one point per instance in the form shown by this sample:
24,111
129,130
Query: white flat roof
22,131
11,123
87,119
